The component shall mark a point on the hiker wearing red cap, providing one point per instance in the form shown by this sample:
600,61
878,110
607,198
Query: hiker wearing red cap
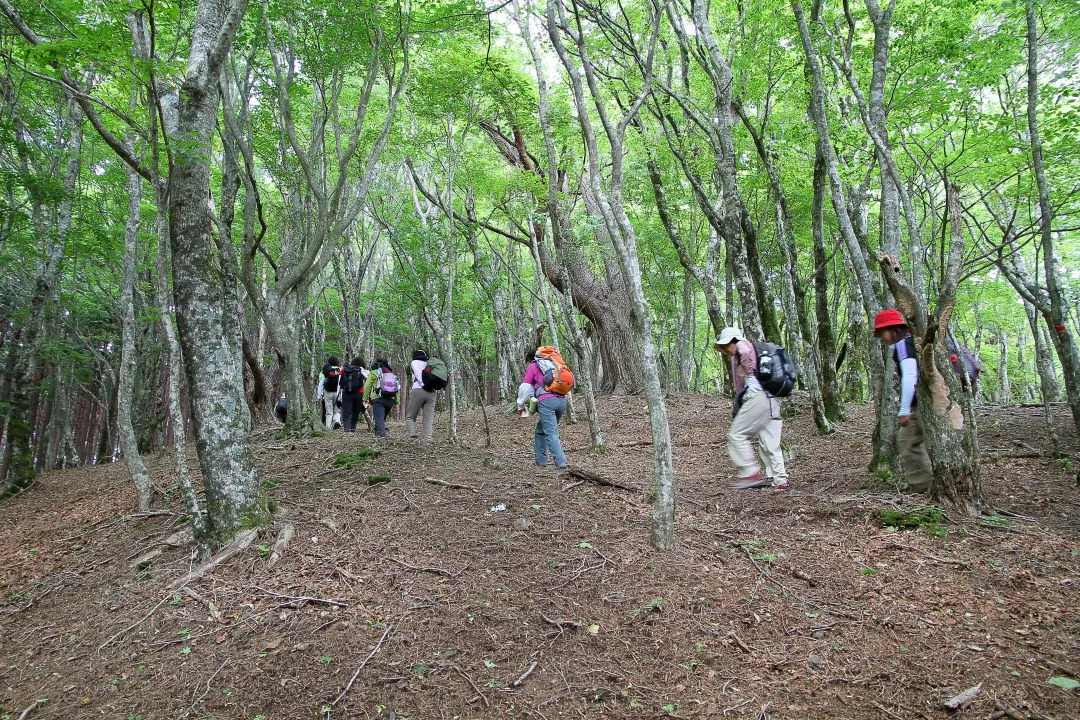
892,330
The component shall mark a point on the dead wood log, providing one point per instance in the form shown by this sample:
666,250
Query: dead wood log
597,479
240,543
209,604
284,537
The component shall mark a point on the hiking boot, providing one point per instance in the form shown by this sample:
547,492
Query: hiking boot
757,480
783,485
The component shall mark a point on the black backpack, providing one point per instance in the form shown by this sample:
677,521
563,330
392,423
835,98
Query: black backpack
352,379
775,371
333,374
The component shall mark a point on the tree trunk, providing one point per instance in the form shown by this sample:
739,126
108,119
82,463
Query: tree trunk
1056,317
1004,394
826,338
235,497
140,477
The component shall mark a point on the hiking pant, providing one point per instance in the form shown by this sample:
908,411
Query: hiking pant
332,409
421,399
546,439
759,416
918,472
352,409
380,409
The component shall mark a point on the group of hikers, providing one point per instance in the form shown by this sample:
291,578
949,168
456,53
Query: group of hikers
761,373
346,393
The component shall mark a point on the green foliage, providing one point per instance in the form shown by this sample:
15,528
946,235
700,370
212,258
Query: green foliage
353,459
925,517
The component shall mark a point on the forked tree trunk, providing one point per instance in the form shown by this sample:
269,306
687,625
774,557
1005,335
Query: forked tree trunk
946,411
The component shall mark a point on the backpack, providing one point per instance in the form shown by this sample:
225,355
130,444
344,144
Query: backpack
352,379
775,371
332,373
557,377
386,384
435,375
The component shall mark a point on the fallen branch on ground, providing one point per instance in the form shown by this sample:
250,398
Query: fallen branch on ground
294,599
444,483
364,662
206,691
238,545
479,695
137,622
280,545
31,708
210,606
956,702
525,675
599,480
928,556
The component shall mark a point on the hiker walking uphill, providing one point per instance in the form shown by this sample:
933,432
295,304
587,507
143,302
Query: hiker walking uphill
381,393
353,377
551,380
892,330
757,410
429,375
329,393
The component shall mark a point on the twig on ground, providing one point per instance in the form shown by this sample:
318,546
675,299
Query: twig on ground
479,694
302,598
437,571
214,612
525,675
348,686
571,486
739,641
206,691
134,624
935,558
766,574
559,623
444,483
124,518
1004,711
408,499
29,709
800,575
885,710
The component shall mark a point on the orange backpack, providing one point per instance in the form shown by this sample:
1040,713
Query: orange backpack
557,377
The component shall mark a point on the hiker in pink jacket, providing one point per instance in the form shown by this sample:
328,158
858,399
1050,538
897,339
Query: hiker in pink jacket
756,413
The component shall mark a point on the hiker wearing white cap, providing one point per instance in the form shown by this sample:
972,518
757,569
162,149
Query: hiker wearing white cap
755,413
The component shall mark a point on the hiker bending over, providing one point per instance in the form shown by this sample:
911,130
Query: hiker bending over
381,393
892,330
756,413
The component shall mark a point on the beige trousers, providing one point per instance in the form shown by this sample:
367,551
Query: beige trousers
421,400
918,472
759,416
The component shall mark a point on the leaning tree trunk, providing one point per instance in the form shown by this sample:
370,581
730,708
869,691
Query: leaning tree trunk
235,497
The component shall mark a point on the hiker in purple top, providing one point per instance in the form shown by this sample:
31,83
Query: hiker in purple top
550,407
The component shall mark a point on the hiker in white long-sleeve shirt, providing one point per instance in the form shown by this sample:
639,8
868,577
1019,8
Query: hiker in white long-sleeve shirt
892,330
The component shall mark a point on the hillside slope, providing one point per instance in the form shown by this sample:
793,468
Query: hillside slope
531,594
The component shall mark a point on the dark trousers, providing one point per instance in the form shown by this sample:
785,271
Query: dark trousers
352,409
380,409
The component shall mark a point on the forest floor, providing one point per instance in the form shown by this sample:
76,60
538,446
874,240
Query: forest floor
529,594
